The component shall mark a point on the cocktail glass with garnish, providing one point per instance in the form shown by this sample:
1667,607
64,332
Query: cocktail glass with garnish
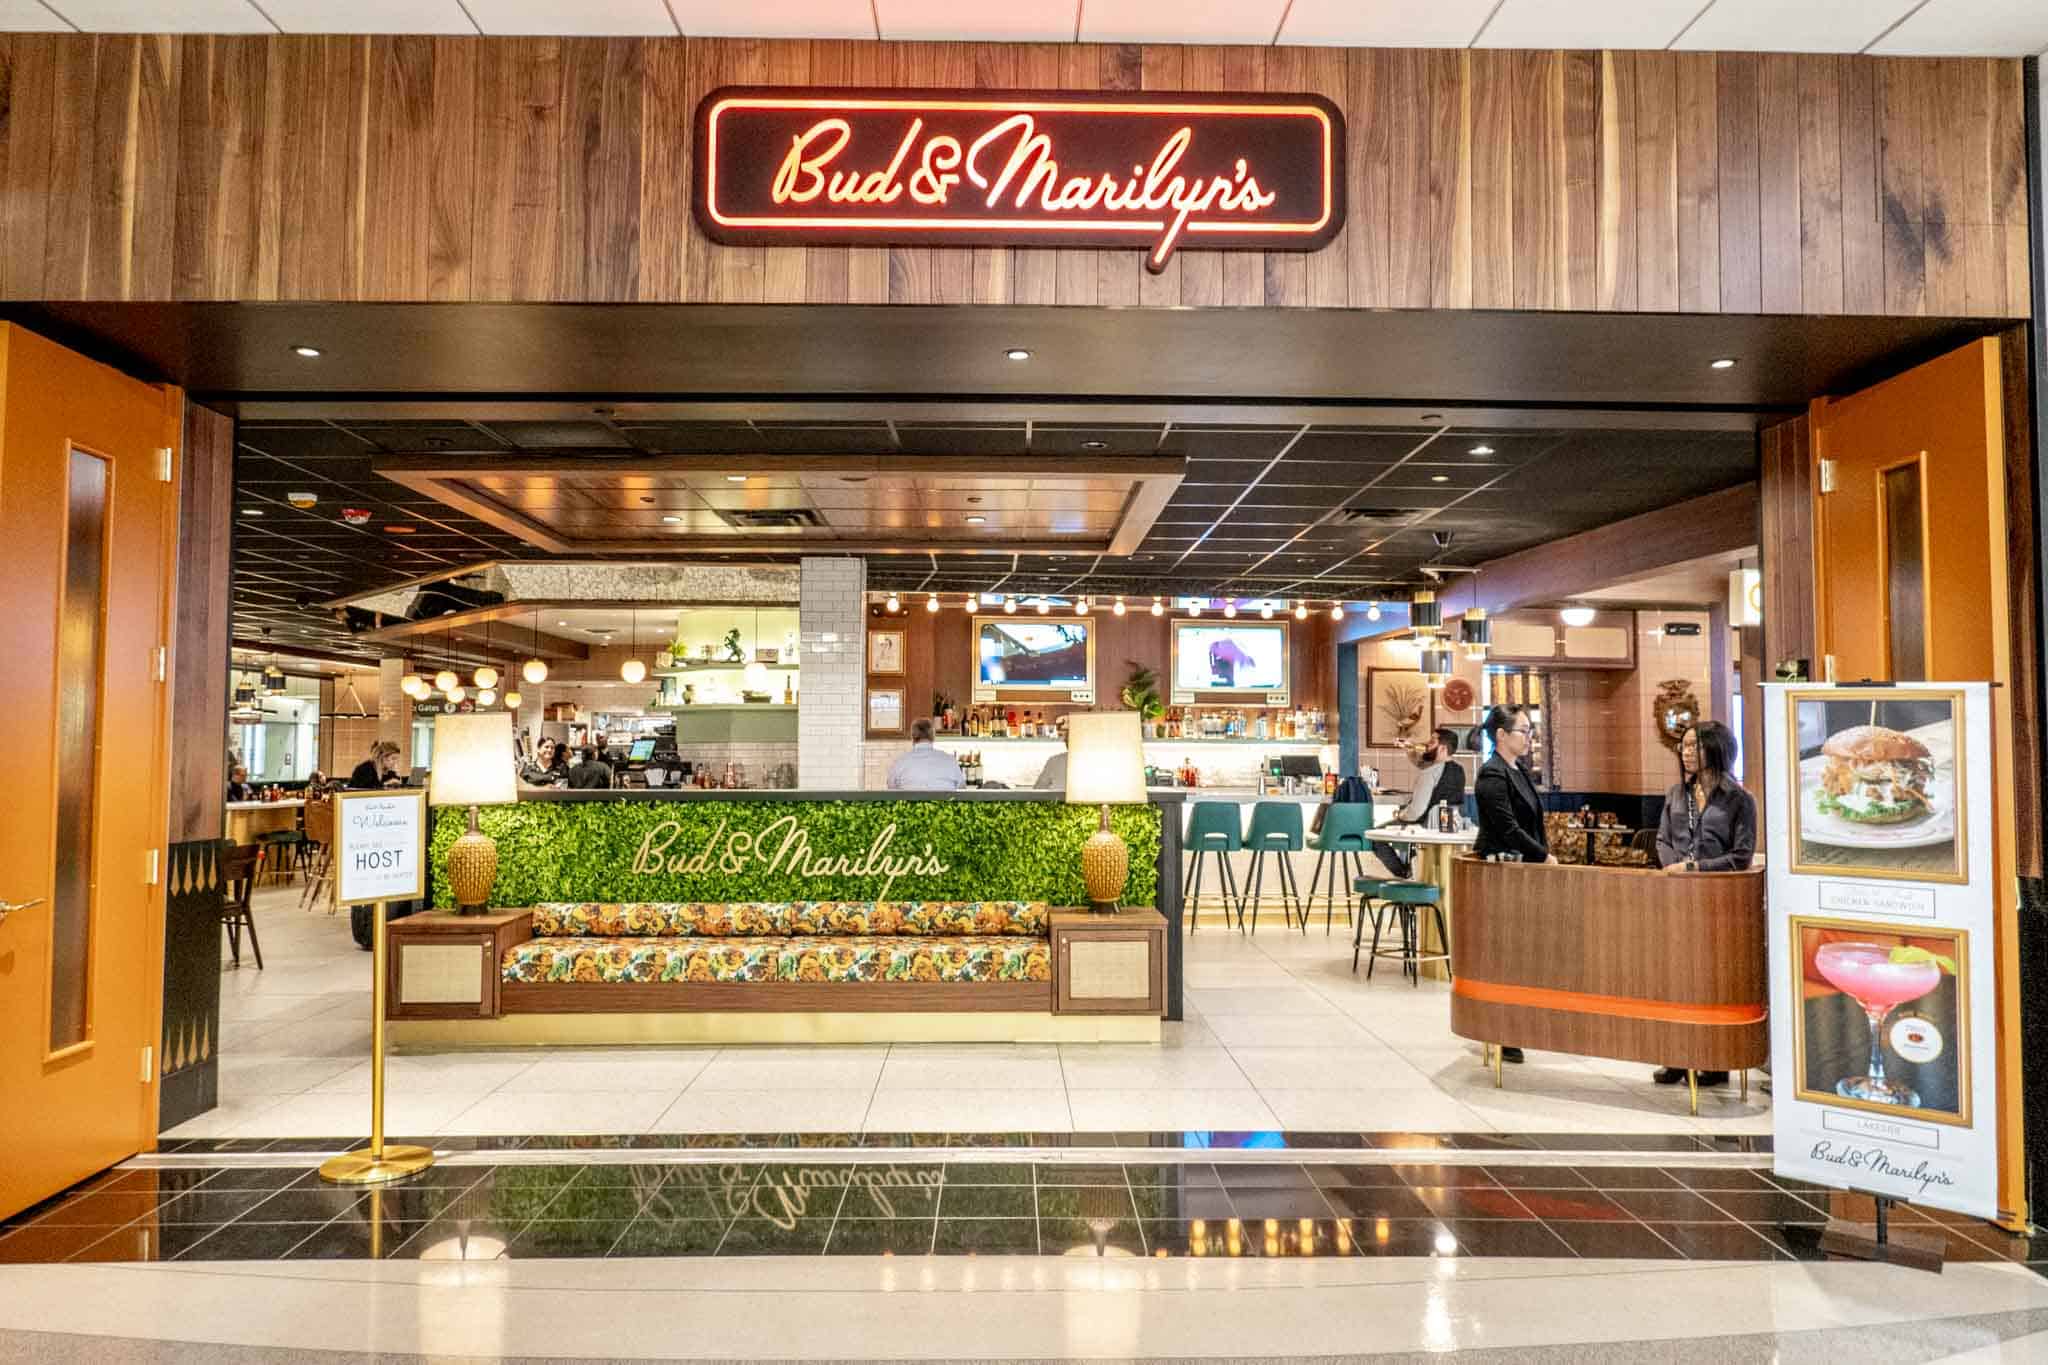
1880,979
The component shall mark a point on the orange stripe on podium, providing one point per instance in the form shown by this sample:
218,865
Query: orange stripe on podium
1624,1006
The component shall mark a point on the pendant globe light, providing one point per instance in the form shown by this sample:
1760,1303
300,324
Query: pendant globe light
634,670
535,669
457,692
414,686
485,696
446,681
513,700
486,676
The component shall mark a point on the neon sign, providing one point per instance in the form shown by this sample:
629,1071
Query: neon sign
807,166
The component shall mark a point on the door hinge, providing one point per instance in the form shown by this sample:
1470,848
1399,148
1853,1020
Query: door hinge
1827,476
155,861
159,663
148,1064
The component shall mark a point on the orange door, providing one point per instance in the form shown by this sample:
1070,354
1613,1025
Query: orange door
1910,521
87,523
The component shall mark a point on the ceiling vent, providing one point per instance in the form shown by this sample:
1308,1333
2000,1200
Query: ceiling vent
1377,515
772,519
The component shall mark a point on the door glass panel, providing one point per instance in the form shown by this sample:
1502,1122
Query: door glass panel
80,647
1905,560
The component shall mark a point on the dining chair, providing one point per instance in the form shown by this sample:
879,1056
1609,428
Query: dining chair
240,866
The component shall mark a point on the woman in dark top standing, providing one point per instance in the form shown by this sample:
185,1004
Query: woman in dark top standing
1709,825
1510,811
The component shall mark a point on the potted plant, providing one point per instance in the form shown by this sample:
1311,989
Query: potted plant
1141,694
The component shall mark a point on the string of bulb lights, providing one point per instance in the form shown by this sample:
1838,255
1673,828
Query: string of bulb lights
1011,603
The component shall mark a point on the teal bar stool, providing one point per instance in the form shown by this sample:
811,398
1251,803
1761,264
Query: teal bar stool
1212,830
1404,902
1275,829
1342,842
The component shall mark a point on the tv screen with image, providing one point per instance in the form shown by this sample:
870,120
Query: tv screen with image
1230,656
1055,655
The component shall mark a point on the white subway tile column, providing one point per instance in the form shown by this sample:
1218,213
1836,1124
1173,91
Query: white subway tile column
832,627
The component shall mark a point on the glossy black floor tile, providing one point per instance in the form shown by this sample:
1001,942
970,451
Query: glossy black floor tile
1573,1206
1304,1201
757,1236
1457,1201
659,1236
1405,1237
1631,1178
1766,1206
881,1237
1669,1206
550,1237
986,1237
988,1201
1374,1201
1719,1242
1084,1237
1498,1237
209,1206
1709,1178
989,1173
1438,1177
243,1241
460,1239
1630,1241
1537,1177
1086,1201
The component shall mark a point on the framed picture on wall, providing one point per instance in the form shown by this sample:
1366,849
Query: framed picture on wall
885,710
885,651
1400,710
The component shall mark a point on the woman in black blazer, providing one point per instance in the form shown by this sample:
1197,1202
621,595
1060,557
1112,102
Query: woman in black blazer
1510,813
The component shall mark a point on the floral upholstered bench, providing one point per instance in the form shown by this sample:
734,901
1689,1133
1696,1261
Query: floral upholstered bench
782,955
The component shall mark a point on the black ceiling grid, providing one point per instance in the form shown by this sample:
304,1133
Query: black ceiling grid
1266,509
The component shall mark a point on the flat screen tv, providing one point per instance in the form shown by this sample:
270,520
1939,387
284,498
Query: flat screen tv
1229,656
1049,655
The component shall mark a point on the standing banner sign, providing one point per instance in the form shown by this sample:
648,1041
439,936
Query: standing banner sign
380,855
1883,1025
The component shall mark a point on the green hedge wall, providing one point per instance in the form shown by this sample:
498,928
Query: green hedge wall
993,850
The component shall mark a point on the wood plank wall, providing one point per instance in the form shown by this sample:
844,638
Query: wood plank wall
199,651
1785,545
558,169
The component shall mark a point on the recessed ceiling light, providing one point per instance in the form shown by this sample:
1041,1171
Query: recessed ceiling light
976,519
1439,478
1482,450
306,352
1432,417
400,530
1017,353
1724,363
252,511
735,478
1095,445
672,521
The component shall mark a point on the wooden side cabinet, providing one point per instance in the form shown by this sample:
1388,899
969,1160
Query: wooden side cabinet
445,966
1109,964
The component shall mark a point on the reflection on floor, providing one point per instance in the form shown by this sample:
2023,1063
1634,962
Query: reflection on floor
992,1202
1279,1035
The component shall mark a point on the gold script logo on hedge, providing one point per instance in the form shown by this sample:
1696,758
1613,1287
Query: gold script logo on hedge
783,845
968,168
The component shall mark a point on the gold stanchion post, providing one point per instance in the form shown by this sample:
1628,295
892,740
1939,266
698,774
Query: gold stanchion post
376,1163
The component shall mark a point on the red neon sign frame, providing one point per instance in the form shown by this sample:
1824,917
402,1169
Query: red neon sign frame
813,166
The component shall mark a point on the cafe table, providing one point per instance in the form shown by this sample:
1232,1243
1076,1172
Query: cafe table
249,821
1434,850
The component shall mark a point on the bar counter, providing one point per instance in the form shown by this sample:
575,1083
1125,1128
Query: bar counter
1664,968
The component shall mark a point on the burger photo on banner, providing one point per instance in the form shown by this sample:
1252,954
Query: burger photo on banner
1879,779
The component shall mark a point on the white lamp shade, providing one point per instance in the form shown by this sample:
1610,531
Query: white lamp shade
473,760
1105,759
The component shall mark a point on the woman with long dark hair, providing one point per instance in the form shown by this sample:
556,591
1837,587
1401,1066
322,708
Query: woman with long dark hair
1709,821
1709,825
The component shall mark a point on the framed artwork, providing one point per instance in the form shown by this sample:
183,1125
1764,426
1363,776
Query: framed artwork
1400,711
1879,783
885,651
885,710
1881,1017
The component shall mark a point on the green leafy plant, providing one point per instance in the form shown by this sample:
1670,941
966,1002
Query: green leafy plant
1141,692
992,850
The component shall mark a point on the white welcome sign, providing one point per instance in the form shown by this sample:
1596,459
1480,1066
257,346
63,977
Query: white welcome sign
380,841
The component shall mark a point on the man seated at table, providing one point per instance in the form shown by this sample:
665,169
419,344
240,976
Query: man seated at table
926,767
239,788
1439,781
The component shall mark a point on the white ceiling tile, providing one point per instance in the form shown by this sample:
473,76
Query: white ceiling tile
1180,21
1384,23
1023,21
165,16
775,18
1809,26
1971,28
369,16
26,16
1618,24
582,18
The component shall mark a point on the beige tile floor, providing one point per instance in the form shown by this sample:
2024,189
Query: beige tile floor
1549,1312
1278,1034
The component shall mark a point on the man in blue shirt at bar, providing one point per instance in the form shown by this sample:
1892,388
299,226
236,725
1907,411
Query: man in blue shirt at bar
926,768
